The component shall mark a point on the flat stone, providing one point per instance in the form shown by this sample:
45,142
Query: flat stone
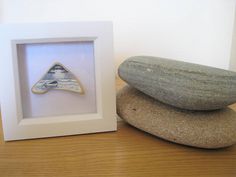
204,129
180,84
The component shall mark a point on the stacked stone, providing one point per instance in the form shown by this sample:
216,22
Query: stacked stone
181,102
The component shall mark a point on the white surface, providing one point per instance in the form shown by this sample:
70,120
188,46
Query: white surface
233,48
198,31
34,61
1,10
14,126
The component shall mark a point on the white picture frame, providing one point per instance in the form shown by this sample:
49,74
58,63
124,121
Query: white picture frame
15,125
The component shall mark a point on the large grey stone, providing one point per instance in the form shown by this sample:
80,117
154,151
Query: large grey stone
180,84
204,129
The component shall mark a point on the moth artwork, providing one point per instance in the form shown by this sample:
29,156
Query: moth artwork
60,78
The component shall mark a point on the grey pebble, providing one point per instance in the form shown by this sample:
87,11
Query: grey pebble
180,84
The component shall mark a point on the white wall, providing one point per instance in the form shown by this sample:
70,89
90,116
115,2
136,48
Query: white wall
1,10
198,31
233,48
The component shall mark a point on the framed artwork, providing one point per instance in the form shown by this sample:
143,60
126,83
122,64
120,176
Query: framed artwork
57,79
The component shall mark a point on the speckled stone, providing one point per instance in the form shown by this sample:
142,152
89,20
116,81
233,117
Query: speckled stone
204,129
180,84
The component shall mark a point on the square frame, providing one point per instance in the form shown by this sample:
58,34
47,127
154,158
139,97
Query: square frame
14,126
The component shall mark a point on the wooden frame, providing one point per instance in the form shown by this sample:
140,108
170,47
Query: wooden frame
15,126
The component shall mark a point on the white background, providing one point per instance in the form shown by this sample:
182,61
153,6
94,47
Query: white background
233,48
36,59
198,31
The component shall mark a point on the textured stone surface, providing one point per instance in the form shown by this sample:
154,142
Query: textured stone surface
211,129
180,84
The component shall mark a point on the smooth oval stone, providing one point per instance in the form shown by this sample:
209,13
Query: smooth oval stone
204,129
180,84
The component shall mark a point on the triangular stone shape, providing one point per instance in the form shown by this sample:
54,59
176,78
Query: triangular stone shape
60,78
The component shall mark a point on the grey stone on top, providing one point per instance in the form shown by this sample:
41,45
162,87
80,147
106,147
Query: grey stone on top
180,84
204,129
